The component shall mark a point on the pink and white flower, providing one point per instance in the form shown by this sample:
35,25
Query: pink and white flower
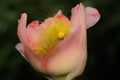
57,46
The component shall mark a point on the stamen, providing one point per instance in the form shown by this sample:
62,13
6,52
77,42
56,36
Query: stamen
61,35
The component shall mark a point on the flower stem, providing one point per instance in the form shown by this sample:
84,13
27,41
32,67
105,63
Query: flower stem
60,78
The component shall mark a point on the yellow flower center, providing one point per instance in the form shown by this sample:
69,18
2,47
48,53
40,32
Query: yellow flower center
56,32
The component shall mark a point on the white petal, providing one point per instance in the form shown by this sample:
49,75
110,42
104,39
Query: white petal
20,48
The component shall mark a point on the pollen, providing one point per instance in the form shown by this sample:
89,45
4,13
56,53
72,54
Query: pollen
61,35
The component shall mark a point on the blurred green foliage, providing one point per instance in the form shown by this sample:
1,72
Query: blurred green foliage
103,38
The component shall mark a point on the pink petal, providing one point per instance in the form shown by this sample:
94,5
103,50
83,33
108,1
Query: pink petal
20,48
30,57
70,53
80,12
78,16
60,16
22,29
92,15
58,13
34,33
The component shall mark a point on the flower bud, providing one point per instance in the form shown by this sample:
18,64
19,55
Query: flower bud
57,46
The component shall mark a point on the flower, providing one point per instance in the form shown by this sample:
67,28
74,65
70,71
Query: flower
57,46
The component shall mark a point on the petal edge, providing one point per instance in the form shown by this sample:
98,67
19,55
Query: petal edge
92,15
20,48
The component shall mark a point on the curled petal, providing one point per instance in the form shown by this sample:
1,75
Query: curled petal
22,29
92,15
20,48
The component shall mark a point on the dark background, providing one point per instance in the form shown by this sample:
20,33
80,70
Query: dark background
103,38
